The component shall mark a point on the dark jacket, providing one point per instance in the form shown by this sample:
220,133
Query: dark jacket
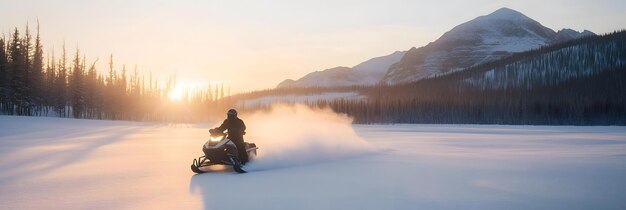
235,126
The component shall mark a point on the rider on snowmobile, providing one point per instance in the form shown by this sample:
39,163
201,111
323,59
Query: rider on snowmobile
236,129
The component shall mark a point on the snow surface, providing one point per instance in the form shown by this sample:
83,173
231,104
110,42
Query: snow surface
311,159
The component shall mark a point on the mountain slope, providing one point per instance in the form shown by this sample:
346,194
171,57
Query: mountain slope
367,73
551,65
483,39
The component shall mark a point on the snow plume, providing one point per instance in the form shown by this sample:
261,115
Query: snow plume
297,135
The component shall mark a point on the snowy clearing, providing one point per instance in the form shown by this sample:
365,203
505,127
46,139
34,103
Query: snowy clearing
86,164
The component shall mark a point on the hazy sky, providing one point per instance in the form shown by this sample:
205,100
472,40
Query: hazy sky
256,44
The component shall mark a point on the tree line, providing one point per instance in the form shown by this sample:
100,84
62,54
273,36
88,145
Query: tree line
579,82
69,86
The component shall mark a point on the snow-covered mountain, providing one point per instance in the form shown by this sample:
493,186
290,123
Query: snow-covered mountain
485,38
367,73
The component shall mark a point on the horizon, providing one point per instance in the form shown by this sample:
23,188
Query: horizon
258,44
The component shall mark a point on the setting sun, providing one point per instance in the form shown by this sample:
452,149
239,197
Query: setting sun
177,93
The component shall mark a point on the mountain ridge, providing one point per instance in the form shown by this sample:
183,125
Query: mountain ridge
368,72
482,39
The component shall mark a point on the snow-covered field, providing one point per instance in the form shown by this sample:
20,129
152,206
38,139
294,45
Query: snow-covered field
51,163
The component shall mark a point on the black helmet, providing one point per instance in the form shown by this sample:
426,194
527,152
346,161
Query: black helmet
232,112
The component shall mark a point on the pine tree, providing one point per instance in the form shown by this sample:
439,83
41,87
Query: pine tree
18,90
91,90
209,93
222,91
110,93
77,87
121,94
50,90
29,100
37,73
100,106
61,86
216,94
4,78
151,87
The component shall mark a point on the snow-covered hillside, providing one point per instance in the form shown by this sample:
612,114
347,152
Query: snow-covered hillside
311,160
578,61
367,73
480,40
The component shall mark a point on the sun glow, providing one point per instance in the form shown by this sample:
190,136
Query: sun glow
188,90
177,93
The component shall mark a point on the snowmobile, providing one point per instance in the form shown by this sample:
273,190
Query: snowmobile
219,150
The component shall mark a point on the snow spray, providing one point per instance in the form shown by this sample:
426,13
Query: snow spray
296,135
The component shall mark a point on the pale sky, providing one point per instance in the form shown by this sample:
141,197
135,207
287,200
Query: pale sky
256,44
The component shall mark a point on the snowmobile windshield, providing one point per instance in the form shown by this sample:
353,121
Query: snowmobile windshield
217,138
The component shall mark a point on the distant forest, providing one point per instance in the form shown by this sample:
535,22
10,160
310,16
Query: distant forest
61,87
579,82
